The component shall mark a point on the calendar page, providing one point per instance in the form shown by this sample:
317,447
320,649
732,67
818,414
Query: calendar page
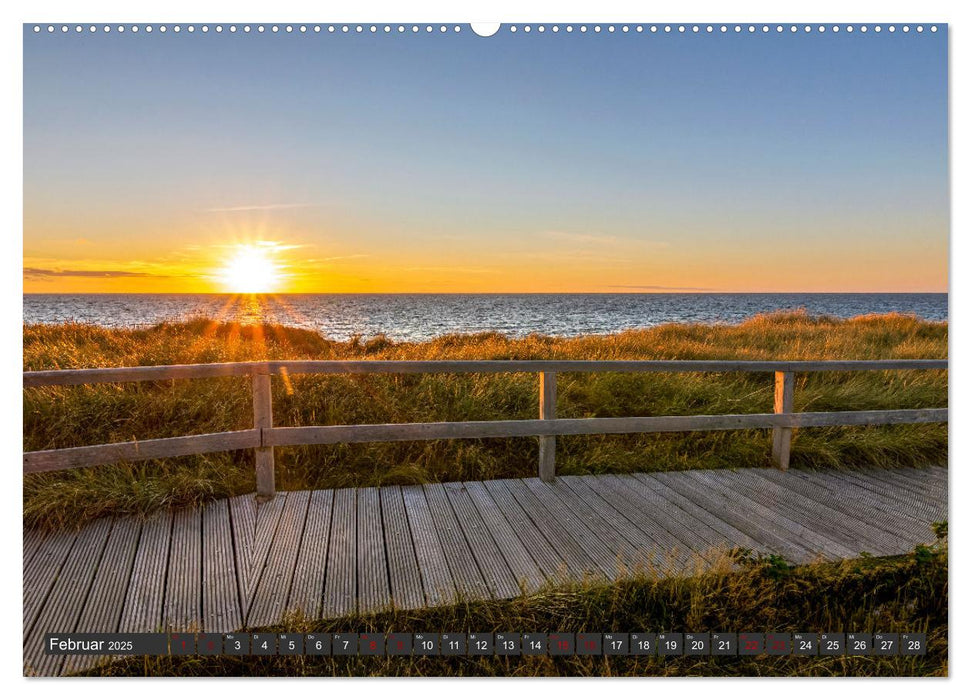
524,349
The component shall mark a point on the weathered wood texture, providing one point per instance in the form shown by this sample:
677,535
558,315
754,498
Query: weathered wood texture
161,448
398,432
547,411
785,384
237,563
263,421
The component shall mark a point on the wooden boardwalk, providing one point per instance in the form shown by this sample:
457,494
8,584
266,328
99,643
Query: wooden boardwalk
234,564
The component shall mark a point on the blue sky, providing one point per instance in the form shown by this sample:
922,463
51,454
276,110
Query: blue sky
539,162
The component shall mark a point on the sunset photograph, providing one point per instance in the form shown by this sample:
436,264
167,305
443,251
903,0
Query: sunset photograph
530,350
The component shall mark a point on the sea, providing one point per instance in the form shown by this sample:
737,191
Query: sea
417,317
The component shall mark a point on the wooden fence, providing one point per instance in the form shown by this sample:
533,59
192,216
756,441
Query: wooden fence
263,436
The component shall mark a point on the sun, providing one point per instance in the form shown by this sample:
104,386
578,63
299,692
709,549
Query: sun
250,270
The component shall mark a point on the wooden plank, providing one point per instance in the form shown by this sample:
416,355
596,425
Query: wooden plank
922,477
892,513
33,539
919,505
495,571
146,590
939,471
267,519
263,421
900,528
620,537
65,377
111,375
772,514
242,516
526,571
930,501
436,578
850,531
785,383
42,571
373,584
340,587
899,478
182,611
103,607
547,411
553,566
396,432
309,573
222,610
567,533
673,554
841,480
726,509
403,570
635,550
93,455
695,536
63,607
461,563
891,479
502,366
269,600
722,535
579,564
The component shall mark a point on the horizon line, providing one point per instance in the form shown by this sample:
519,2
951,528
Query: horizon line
629,292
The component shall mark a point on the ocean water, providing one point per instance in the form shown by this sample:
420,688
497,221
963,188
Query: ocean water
424,316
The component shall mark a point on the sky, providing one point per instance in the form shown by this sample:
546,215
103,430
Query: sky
458,163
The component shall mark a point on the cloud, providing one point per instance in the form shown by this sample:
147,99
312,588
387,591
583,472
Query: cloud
338,257
447,268
261,207
34,272
657,288
600,239
584,238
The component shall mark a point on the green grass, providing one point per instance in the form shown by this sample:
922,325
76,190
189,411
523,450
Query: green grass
70,416
899,594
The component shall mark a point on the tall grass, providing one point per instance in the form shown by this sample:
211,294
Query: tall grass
69,416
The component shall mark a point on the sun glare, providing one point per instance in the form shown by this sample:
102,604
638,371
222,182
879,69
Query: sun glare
250,270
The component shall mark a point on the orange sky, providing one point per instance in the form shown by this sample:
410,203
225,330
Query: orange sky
540,261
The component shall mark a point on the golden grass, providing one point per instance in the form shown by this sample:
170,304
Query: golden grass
70,416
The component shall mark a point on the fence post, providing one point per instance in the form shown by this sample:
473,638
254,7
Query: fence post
263,420
785,383
547,411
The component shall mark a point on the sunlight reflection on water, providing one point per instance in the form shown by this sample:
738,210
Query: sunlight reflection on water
424,316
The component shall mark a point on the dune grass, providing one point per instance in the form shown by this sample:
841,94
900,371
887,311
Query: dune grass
899,594
70,416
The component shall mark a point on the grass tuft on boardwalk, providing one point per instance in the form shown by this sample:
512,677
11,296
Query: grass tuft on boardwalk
895,594
58,417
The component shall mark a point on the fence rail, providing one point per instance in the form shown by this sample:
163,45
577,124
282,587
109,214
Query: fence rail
264,437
